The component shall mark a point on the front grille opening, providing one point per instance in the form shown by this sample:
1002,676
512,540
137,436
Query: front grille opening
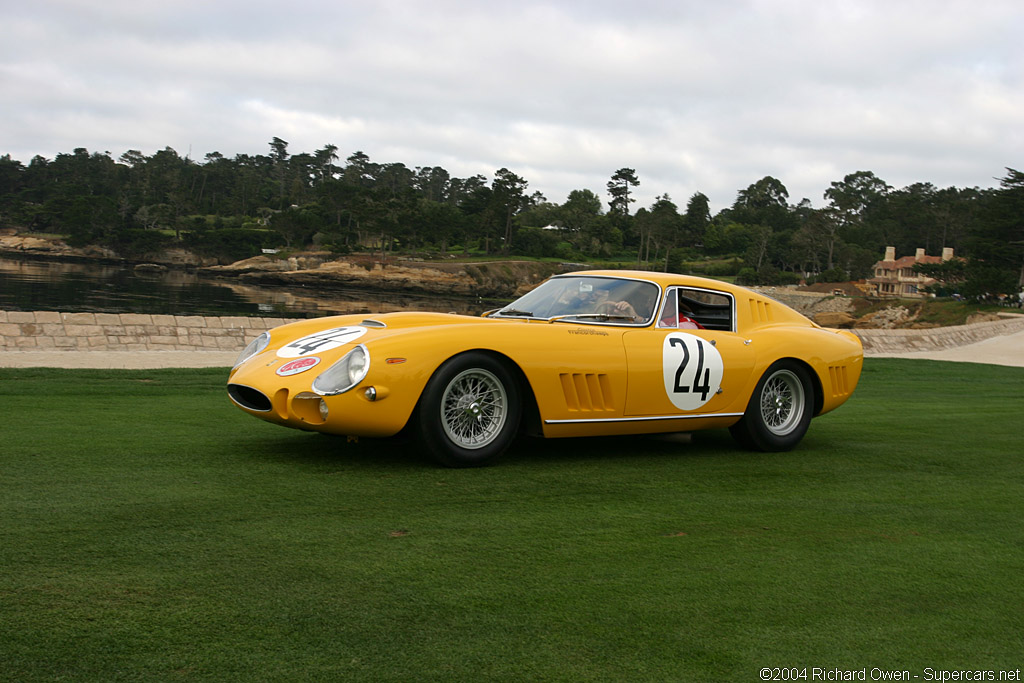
250,398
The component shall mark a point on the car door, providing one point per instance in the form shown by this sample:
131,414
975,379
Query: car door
577,372
673,371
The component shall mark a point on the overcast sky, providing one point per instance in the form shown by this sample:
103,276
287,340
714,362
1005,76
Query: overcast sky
696,95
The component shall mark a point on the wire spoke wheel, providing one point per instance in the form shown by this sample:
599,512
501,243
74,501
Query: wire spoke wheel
470,410
474,408
782,402
779,411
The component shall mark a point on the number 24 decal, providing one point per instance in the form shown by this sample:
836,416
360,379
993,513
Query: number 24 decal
692,369
321,341
702,376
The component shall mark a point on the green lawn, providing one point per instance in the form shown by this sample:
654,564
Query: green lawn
150,531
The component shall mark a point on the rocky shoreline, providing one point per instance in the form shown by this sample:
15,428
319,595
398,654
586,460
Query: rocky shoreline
29,246
319,270
494,279
498,280
323,271
23,333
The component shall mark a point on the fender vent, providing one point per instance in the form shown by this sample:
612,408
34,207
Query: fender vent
761,311
840,382
249,398
586,391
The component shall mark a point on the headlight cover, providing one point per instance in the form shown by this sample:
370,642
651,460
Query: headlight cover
254,347
345,374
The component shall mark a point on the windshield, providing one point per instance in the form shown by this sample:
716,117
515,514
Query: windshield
585,298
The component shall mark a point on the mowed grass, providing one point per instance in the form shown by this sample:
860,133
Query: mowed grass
151,531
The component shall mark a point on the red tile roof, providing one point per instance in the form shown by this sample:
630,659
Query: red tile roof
906,262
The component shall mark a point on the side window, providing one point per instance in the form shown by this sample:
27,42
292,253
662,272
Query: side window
712,310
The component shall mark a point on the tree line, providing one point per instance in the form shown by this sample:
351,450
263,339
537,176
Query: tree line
231,208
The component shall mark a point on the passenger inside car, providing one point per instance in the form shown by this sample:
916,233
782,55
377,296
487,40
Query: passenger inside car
676,314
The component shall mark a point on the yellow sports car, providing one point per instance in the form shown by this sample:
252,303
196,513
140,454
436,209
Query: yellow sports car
584,354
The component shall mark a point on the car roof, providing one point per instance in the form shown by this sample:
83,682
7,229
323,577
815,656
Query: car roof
662,279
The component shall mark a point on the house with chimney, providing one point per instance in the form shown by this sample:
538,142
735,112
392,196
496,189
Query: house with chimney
895,277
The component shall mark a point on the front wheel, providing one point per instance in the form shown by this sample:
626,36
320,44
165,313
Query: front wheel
779,410
470,411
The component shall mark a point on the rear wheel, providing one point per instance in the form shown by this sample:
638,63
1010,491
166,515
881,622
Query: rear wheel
470,411
779,410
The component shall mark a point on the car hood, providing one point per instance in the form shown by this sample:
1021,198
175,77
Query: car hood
405,320
307,336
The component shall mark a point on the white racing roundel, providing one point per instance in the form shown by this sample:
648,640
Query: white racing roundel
692,368
318,342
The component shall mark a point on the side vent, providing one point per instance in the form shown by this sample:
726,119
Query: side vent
840,382
761,311
586,392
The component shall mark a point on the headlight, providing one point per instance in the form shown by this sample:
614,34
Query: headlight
345,374
254,347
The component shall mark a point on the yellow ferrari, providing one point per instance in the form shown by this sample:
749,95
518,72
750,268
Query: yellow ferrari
584,354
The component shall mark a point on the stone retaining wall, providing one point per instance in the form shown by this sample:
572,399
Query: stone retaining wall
936,338
53,331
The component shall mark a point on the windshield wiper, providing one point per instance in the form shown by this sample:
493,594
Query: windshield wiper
593,316
514,312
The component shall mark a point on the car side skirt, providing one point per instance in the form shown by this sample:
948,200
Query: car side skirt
641,419
648,424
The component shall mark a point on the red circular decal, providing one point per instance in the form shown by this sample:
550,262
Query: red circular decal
298,365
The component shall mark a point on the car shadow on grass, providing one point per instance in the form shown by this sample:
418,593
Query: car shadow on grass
620,448
404,452
333,452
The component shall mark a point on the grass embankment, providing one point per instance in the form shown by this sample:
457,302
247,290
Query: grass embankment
153,532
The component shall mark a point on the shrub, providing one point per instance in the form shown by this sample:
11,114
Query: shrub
231,244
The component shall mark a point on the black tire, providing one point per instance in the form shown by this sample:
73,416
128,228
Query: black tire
469,412
779,411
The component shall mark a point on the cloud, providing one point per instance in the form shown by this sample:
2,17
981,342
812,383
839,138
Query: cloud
705,97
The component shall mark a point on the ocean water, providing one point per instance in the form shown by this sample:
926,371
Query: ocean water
43,285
